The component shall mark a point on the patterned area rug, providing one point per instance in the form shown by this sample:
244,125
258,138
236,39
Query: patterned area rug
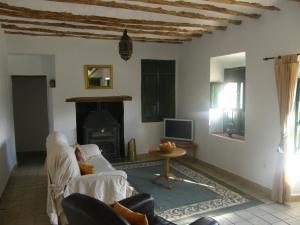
197,195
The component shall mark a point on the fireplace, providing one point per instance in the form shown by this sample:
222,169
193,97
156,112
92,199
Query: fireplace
102,129
100,121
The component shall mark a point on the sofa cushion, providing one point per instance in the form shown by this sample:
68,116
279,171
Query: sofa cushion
78,155
100,164
133,218
86,169
88,151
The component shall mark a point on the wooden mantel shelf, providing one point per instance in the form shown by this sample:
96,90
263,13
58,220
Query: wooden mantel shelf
100,99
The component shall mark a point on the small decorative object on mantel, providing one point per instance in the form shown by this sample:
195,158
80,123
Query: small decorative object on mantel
52,83
125,46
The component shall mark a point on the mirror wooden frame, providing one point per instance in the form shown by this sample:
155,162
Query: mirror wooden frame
87,78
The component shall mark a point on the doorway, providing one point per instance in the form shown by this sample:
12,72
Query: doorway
30,113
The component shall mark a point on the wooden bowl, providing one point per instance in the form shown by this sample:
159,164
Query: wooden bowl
167,150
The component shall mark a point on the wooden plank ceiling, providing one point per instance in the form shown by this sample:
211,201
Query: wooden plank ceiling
161,21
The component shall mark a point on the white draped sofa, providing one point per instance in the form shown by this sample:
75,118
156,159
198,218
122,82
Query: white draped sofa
64,178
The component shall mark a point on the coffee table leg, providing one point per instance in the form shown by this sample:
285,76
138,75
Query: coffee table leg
166,175
167,165
167,172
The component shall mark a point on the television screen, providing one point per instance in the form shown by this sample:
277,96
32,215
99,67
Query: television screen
179,129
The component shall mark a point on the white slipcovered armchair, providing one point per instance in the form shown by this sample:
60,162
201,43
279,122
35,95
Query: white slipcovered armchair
64,177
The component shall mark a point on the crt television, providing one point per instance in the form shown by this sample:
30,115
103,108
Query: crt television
178,129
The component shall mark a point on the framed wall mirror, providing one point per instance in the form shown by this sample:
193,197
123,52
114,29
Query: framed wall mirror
98,76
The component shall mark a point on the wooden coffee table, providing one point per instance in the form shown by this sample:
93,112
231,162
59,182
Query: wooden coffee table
167,156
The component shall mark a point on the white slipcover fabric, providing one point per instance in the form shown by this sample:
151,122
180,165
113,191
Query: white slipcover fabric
104,166
64,177
88,151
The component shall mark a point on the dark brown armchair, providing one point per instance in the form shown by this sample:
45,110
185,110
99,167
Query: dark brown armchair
84,210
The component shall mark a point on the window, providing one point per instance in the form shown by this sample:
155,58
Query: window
227,100
158,90
227,96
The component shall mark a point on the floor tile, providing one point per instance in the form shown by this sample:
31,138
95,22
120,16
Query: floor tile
269,218
256,211
292,221
258,221
21,200
233,218
222,220
267,207
245,214
281,215
280,223
243,223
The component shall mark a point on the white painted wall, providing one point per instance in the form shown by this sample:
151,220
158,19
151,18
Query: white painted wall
273,34
31,64
7,143
219,63
35,65
70,56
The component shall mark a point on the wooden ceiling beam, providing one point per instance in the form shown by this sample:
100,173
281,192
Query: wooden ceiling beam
206,7
58,34
119,5
101,23
88,34
103,28
87,37
247,4
18,11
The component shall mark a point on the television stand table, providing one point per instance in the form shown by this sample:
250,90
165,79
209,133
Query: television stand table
186,145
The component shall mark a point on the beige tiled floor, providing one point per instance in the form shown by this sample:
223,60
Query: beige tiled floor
264,214
24,199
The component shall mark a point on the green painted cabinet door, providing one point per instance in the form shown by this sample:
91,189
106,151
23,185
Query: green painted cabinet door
158,90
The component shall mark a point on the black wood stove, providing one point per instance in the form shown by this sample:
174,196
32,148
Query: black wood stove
102,129
102,123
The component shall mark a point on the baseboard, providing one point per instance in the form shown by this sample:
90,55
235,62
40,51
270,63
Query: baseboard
294,198
32,153
1,209
238,178
146,156
6,182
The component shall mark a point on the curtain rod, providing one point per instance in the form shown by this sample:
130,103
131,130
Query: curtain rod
268,58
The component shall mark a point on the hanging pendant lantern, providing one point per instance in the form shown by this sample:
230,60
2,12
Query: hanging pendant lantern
125,46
